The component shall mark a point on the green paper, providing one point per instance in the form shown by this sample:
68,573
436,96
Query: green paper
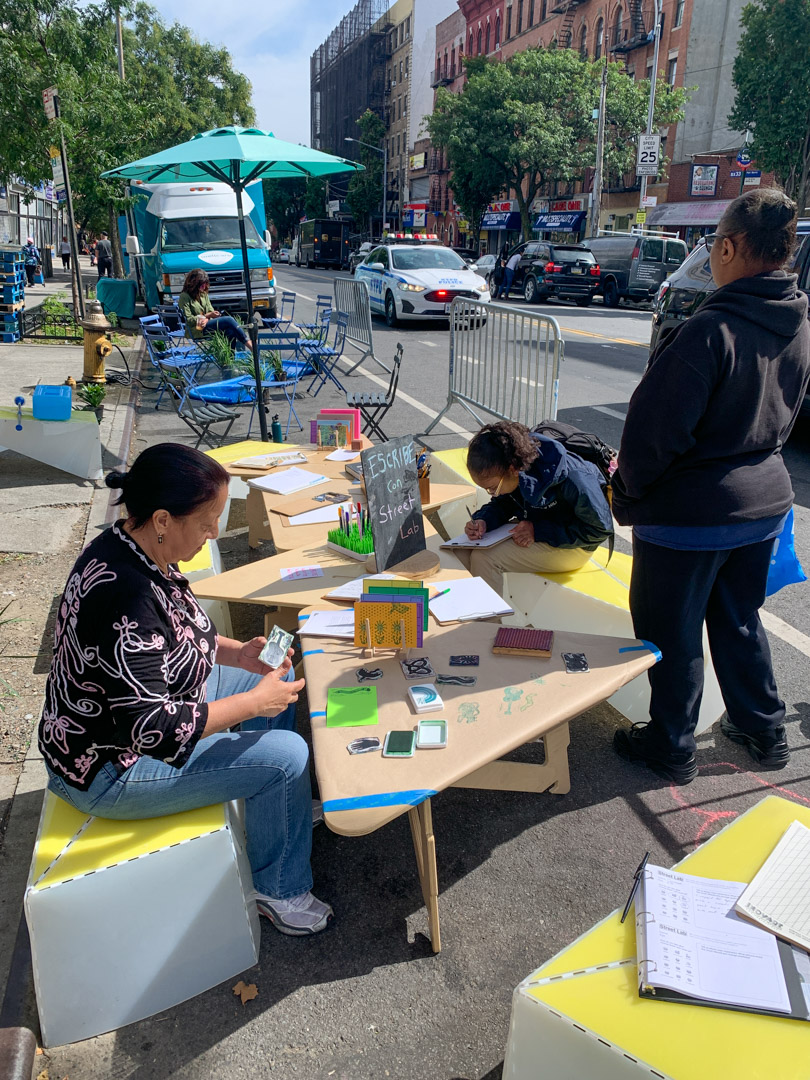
351,706
408,589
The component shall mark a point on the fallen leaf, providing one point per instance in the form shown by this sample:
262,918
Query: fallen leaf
40,1051
246,993
43,1075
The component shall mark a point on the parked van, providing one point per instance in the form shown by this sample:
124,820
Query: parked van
632,265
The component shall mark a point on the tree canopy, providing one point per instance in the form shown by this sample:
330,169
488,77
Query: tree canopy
526,122
175,86
365,188
772,78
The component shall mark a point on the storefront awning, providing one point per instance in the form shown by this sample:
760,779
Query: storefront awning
559,222
705,212
509,221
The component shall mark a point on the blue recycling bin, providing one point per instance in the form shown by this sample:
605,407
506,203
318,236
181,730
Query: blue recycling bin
118,295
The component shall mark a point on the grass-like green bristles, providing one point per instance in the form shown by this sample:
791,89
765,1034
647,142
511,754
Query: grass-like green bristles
362,545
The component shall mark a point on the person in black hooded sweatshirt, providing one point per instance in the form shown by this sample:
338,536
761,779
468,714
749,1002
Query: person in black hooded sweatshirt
702,481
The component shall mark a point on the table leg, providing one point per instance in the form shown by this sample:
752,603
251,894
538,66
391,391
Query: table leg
256,517
420,819
552,775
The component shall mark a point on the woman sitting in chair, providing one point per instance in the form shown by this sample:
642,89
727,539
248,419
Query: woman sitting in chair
557,499
149,711
201,317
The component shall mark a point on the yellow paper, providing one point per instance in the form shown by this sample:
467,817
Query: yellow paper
385,620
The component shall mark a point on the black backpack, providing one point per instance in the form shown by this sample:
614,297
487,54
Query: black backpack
590,448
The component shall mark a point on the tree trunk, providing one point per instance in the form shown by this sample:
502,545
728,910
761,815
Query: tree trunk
115,243
525,220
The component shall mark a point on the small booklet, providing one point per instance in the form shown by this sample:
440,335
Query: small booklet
339,624
287,481
779,896
270,461
489,539
693,948
354,589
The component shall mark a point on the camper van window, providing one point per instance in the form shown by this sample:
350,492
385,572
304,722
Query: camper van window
653,249
205,232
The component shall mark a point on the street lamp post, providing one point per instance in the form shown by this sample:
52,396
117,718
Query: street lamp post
650,111
384,152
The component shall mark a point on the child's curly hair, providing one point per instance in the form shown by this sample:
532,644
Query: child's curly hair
497,446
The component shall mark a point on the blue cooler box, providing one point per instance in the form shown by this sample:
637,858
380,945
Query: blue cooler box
52,402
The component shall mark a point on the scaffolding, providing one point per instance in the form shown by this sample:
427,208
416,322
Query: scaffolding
347,75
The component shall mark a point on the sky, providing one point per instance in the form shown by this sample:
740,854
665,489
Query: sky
270,42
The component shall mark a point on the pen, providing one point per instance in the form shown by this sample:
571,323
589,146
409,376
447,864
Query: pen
636,880
442,593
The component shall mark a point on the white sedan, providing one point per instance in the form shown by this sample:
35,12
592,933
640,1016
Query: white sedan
417,281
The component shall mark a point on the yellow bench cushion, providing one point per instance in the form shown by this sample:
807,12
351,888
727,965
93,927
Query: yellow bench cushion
457,461
71,844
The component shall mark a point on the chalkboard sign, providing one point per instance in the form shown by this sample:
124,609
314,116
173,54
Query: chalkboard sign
394,506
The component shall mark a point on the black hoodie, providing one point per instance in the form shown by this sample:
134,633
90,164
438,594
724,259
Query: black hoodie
703,440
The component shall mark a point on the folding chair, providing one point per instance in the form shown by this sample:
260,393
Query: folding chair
324,357
373,407
199,416
156,322
174,358
323,309
283,321
287,347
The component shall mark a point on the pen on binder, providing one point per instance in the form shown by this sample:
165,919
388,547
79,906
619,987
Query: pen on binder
636,879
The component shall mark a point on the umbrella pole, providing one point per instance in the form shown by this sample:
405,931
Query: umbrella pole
254,341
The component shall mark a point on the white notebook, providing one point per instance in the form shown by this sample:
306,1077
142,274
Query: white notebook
467,599
779,896
320,515
490,539
338,624
287,481
270,461
355,588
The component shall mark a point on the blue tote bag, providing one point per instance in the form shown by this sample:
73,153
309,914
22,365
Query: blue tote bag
785,568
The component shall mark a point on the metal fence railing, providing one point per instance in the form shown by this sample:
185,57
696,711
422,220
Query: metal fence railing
352,297
504,361
46,323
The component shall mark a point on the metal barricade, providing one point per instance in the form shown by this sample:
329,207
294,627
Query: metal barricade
352,297
504,361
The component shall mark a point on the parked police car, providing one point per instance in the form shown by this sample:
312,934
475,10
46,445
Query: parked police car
414,277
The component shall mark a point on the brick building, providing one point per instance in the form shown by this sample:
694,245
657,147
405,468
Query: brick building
444,217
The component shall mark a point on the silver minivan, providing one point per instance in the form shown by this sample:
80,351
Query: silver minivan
632,266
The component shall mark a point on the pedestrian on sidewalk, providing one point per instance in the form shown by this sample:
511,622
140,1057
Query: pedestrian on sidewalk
148,711
702,481
201,316
104,256
559,501
31,260
64,251
509,273
497,276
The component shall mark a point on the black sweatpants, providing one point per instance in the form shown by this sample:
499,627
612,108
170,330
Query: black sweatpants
671,594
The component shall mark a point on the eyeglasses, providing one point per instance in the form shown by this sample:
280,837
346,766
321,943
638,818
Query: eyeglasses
709,240
494,492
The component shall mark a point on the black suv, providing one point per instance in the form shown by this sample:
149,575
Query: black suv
685,290
564,271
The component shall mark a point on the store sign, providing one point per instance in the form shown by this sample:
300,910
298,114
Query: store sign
49,97
417,161
569,206
703,182
505,207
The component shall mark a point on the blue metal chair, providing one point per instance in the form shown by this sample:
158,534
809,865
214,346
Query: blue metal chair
163,354
284,320
324,356
323,309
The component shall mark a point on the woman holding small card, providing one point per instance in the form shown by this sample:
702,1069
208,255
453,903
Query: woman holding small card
557,499
201,316
148,711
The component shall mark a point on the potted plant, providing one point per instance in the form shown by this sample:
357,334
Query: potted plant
93,394
219,349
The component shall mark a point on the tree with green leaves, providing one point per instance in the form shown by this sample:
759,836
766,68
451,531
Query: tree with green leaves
527,122
365,188
772,78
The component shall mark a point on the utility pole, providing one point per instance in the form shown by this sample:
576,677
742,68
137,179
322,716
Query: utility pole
653,80
598,178
52,111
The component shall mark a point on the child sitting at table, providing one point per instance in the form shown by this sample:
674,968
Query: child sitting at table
557,499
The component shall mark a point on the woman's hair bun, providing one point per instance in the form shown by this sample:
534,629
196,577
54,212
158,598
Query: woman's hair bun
115,479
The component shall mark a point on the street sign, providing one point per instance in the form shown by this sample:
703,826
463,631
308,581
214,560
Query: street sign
743,159
753,178
641,217
54,151
48,100
649,155
58,172
735,174
649,201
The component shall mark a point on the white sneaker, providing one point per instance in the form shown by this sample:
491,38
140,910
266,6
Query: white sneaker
301,915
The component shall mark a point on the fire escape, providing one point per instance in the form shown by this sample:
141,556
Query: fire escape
568,9
439,197
638,34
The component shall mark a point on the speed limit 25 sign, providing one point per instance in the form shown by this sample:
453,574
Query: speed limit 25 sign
649,154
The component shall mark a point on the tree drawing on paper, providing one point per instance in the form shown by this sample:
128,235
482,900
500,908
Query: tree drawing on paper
510,695
468,710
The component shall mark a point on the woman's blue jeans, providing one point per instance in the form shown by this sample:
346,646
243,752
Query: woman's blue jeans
229,327
264,762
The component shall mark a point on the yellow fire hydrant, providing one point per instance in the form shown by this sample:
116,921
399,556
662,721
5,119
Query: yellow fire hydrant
96,345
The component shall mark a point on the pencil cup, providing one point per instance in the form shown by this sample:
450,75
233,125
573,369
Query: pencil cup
424,490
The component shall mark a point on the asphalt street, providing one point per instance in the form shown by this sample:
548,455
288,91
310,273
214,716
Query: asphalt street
520,876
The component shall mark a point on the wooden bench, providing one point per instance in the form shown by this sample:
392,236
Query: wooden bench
128,918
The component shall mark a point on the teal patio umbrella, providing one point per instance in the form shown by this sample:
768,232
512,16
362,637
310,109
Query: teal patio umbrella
237,157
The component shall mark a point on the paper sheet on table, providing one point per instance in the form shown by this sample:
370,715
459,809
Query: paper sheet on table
779,896
267,461
490,539
295,573
467,599
697,945
320,514
287,481
339,624
343,455
353,590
